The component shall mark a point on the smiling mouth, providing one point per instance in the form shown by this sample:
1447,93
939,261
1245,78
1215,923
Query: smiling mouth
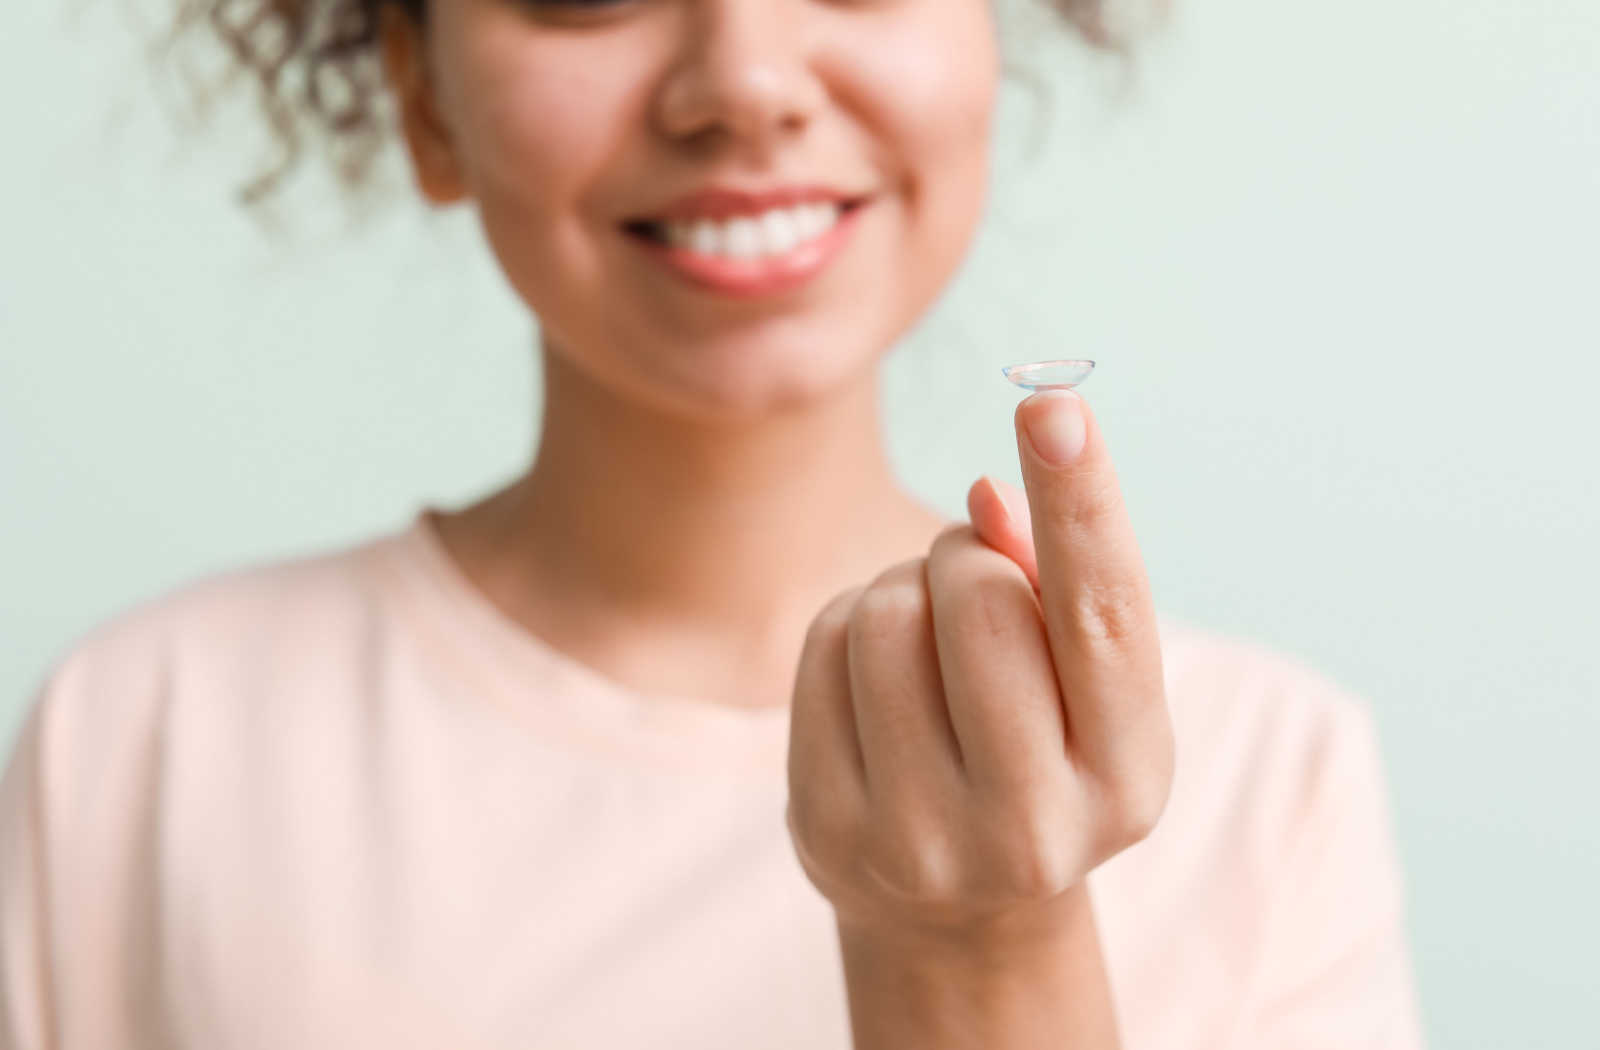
775,232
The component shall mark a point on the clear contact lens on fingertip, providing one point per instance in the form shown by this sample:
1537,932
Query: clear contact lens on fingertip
1049,375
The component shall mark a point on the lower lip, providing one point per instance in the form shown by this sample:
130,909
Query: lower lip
749,278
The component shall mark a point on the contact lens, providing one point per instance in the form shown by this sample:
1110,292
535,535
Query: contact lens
1049,375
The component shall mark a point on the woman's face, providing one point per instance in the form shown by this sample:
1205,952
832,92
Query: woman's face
569,121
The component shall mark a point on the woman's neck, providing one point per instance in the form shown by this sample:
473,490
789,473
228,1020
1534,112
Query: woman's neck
687,558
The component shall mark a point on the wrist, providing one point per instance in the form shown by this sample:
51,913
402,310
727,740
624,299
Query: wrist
1009,983
1001,939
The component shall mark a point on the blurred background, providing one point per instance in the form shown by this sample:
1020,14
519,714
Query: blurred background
1338,264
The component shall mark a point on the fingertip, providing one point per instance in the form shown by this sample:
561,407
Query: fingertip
1054,424
1015,502
984,504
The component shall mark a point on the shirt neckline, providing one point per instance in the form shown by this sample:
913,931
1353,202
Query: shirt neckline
559,692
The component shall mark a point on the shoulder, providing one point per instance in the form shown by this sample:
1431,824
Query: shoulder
263,591
215,633
1274,870
1232,689
1277,796
1268,744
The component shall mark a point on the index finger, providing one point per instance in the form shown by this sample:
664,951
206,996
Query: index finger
1093,590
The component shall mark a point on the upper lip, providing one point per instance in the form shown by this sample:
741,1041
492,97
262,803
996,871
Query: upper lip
720,202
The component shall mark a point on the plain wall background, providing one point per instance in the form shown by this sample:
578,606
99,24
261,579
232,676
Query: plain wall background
1338,263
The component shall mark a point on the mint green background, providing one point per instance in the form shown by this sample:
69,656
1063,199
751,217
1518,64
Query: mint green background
1338,263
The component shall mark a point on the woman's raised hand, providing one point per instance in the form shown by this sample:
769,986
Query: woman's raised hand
975,730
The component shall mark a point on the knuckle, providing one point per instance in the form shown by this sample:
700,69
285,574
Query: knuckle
1113,610
1095,504
832,620
1139,820
954,540
989,609
1136,809
1148,793
822,825
889,607
1046,872
955,532
915,868
911,570
1036,856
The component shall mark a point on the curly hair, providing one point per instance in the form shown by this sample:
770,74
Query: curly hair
315,67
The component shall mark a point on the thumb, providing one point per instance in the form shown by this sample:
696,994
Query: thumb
1000,516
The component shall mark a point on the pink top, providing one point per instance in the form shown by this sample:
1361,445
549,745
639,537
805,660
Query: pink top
342,801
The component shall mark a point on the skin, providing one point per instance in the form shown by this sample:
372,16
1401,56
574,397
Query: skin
977,718
748,435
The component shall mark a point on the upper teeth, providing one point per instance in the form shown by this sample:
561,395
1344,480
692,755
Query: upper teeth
774,232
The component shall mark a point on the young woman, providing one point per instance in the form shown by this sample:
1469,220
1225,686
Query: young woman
705,732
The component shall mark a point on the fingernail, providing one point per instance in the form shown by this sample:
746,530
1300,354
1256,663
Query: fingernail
1055,426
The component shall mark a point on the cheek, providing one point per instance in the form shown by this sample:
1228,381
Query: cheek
929,81
936,72
535,125
542,123
927,89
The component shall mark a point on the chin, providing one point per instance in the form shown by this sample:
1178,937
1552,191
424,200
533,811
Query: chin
749,375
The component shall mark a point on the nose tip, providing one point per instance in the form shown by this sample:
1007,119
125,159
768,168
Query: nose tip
742,72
